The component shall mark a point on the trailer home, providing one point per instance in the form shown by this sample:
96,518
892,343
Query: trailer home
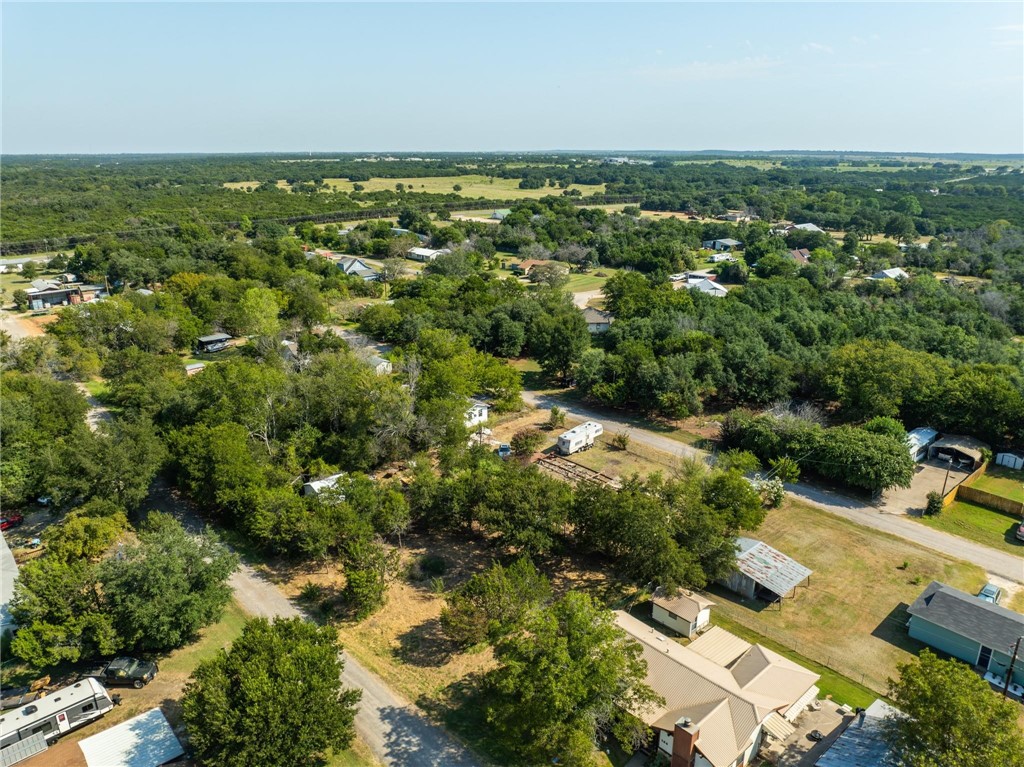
579,437
62,711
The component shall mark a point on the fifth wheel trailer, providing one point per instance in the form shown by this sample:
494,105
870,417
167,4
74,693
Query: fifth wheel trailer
579,437
59,712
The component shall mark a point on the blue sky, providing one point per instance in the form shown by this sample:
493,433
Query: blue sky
243,77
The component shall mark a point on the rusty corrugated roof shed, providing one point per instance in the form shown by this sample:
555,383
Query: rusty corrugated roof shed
769,567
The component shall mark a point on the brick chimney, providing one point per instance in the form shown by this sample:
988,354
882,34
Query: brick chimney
684,743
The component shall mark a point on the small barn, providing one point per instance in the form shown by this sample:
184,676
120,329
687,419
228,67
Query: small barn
966,452
686,613
765,573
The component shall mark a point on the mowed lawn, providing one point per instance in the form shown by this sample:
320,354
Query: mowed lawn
1000,480
852,616
979,524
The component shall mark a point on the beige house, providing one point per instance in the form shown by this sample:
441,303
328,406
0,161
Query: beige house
723,696
686,613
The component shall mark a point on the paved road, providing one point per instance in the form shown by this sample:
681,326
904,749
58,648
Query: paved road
999,563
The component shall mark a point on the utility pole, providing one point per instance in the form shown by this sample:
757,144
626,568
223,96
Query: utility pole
948,467
1009,671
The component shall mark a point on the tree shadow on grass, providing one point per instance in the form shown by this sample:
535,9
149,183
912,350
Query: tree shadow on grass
425,645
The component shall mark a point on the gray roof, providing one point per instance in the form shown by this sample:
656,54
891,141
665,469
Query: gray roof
596,316
769,567
214,337
988,624
862,744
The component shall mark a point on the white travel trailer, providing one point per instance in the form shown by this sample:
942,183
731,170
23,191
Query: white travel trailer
580,437
62,711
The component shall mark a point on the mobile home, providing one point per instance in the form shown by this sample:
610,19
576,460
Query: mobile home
579,438
58,713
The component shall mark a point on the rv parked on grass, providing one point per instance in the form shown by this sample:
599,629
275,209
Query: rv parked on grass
580,437
62,711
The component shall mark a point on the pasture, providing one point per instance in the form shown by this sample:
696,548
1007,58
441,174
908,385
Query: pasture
472,187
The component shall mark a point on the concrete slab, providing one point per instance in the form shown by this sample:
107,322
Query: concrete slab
929,476
800,751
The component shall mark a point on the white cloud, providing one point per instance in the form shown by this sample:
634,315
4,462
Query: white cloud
709,71
818,48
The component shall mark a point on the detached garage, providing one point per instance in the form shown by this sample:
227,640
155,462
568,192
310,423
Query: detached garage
964,451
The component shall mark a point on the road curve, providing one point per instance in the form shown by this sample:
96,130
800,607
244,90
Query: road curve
994,561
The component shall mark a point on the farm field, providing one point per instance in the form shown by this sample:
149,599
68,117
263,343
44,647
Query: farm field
473,186
851,618
1000,480
979,524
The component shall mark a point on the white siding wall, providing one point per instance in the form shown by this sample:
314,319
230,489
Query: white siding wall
665,742
703,619
674,622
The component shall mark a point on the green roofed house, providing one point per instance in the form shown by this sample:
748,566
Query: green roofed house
968,628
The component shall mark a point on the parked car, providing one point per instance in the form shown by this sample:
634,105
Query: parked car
504,451
1020,532
11,520
126,671
990,593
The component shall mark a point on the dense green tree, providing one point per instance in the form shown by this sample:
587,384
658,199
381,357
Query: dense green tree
494,603
950,716
567,679
273,698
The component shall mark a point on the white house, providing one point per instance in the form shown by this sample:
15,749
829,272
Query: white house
476,415
687,613
890,274
597,321
357,267
425,254
725,244
704,285
722,696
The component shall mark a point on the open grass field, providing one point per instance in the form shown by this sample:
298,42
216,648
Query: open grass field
1000,480
979,524
852,616
473,186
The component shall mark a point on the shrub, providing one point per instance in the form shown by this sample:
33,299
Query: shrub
934,504
311,593
432,564
525,441
621,440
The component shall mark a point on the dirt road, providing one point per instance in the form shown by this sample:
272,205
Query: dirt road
993,561
584,297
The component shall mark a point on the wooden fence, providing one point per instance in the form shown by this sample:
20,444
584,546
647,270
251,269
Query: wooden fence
1008,506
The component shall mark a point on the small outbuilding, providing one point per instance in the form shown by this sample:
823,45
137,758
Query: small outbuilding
501,214
381,366
317,486
146,740
919,440
891,274
765,573
194,367
477,414
726,244
597,321
706,286
964,451
425,255
1010,460
686,613
214,342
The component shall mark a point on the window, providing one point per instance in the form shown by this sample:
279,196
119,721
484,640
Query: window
88,707
44,727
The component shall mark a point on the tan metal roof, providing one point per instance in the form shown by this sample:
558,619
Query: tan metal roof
778,727
693,686
719,646
686,604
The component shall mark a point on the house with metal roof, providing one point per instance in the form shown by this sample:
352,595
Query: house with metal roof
959,624
765,573
862,743
706,286
725,244
425,254
317,486
890,274
717,713
357,268
686,612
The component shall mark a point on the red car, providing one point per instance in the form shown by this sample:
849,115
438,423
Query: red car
11,520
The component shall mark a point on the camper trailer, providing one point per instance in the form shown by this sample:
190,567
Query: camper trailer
580,437
62,711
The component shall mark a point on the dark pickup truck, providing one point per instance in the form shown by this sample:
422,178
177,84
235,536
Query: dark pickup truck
126,671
